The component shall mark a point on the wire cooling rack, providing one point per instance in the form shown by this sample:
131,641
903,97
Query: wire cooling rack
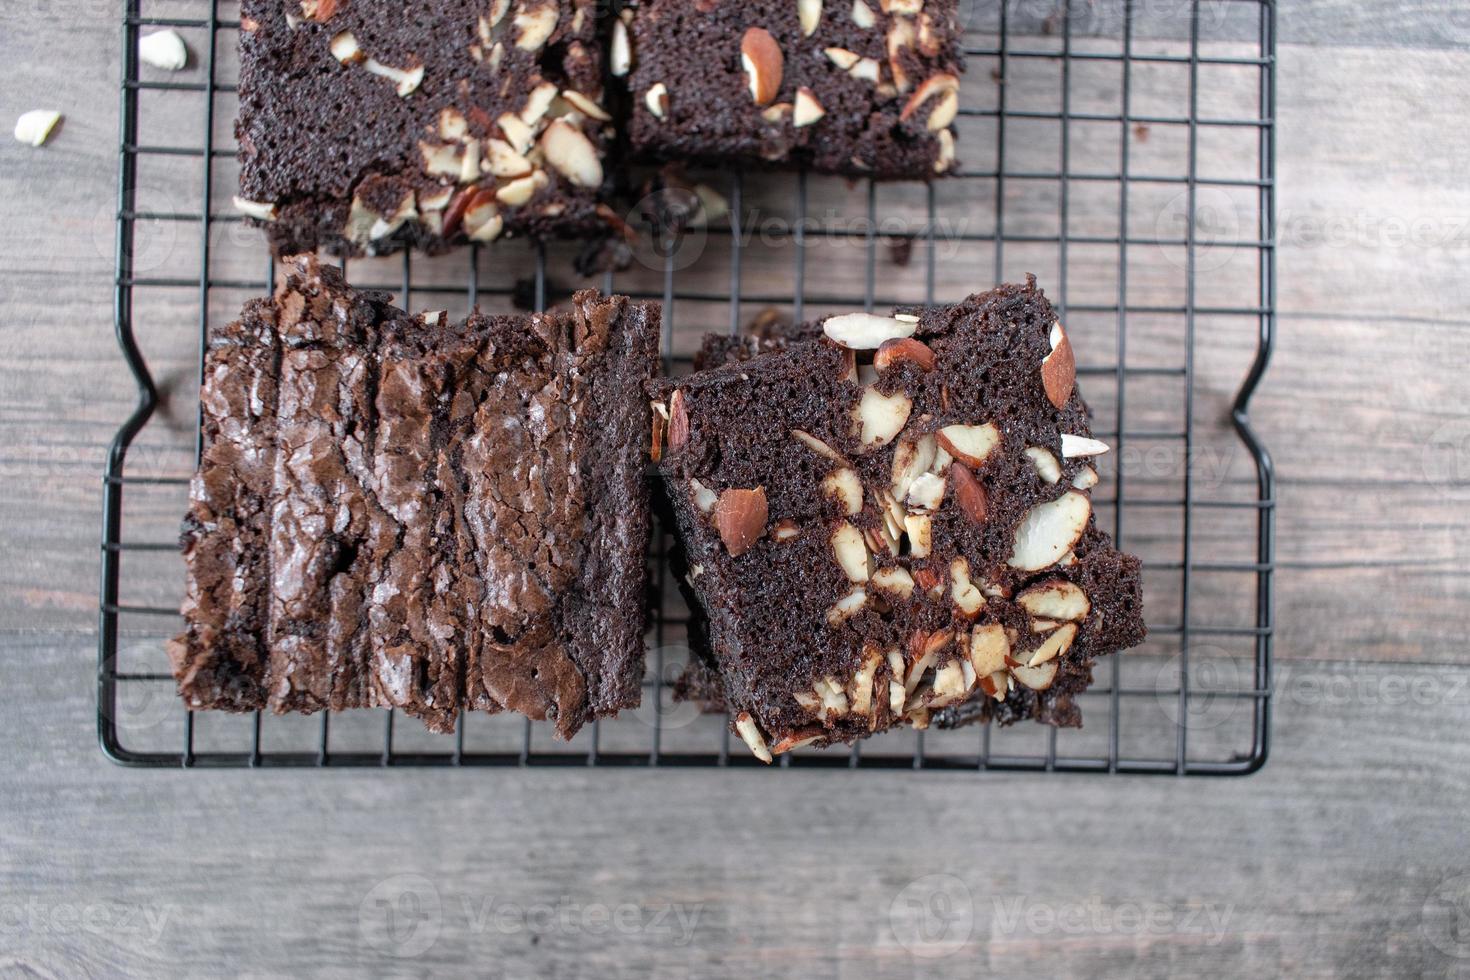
1123,151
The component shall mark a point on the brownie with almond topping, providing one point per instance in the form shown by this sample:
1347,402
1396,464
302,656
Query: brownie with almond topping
865,89
892,525
363,130
397,511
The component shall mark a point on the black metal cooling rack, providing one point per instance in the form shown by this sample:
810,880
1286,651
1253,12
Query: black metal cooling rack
1151,225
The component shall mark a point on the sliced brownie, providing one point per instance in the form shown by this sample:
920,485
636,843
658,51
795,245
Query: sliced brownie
396,511
866,88
891,525
364,127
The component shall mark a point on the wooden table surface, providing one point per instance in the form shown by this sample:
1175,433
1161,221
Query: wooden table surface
1349,854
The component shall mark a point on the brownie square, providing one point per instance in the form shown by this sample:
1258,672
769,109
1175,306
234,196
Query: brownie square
365,127
891,525
394,511
861,88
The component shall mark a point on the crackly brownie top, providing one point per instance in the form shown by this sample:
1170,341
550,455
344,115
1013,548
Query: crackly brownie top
867,88
363,124
891,521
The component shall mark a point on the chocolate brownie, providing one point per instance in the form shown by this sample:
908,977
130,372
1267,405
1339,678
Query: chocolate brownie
891,525
866,88
392,510
365,127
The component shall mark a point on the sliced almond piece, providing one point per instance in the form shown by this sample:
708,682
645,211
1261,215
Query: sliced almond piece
760,56
703,497
881,540
841,57
894,580
657,100
865,331
843,486
925,493
880,417
452,124
740,516
164,49
809,15
846,607
516,132
866,70
798,739
862,15
441,160
1074,446
1058,643
818,446
912,458
904,349
259,210
469,164
678,420
1045,463
1059,368
778,113
851,553
537,103
1037,678
500,160
585,105
620,51
946,107
833,697
535,26
1049,530
1057,599
785,530
520,190
935,86
498,10
1085,479
968,599
995,685
345,49
949,684
970,444
569,150
405,81
860,688
944,159
989,648
919,528
751,735
969,493
807,109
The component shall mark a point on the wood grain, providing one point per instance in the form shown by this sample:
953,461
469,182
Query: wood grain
1322,865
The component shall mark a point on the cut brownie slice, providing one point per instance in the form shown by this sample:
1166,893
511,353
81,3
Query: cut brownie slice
395,511
363,128
892,525
869,88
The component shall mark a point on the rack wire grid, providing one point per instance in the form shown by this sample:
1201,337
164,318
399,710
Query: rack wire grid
1123,151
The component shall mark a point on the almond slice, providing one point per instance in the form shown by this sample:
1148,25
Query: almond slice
1054,646
657,100
880,417
843,486
1059,368
798,739
569,150
970,444
586,106
751,735
814,444
920,531
860,689
808,14
1037,678
968,599
969,493
935,86
1049,530
740,516
900,349
807,110
1045,463
865,331
1057,599
760,56
846,607
1074,446
894,580
620,54
841,57
535,26
851,553
862,15
1085,479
